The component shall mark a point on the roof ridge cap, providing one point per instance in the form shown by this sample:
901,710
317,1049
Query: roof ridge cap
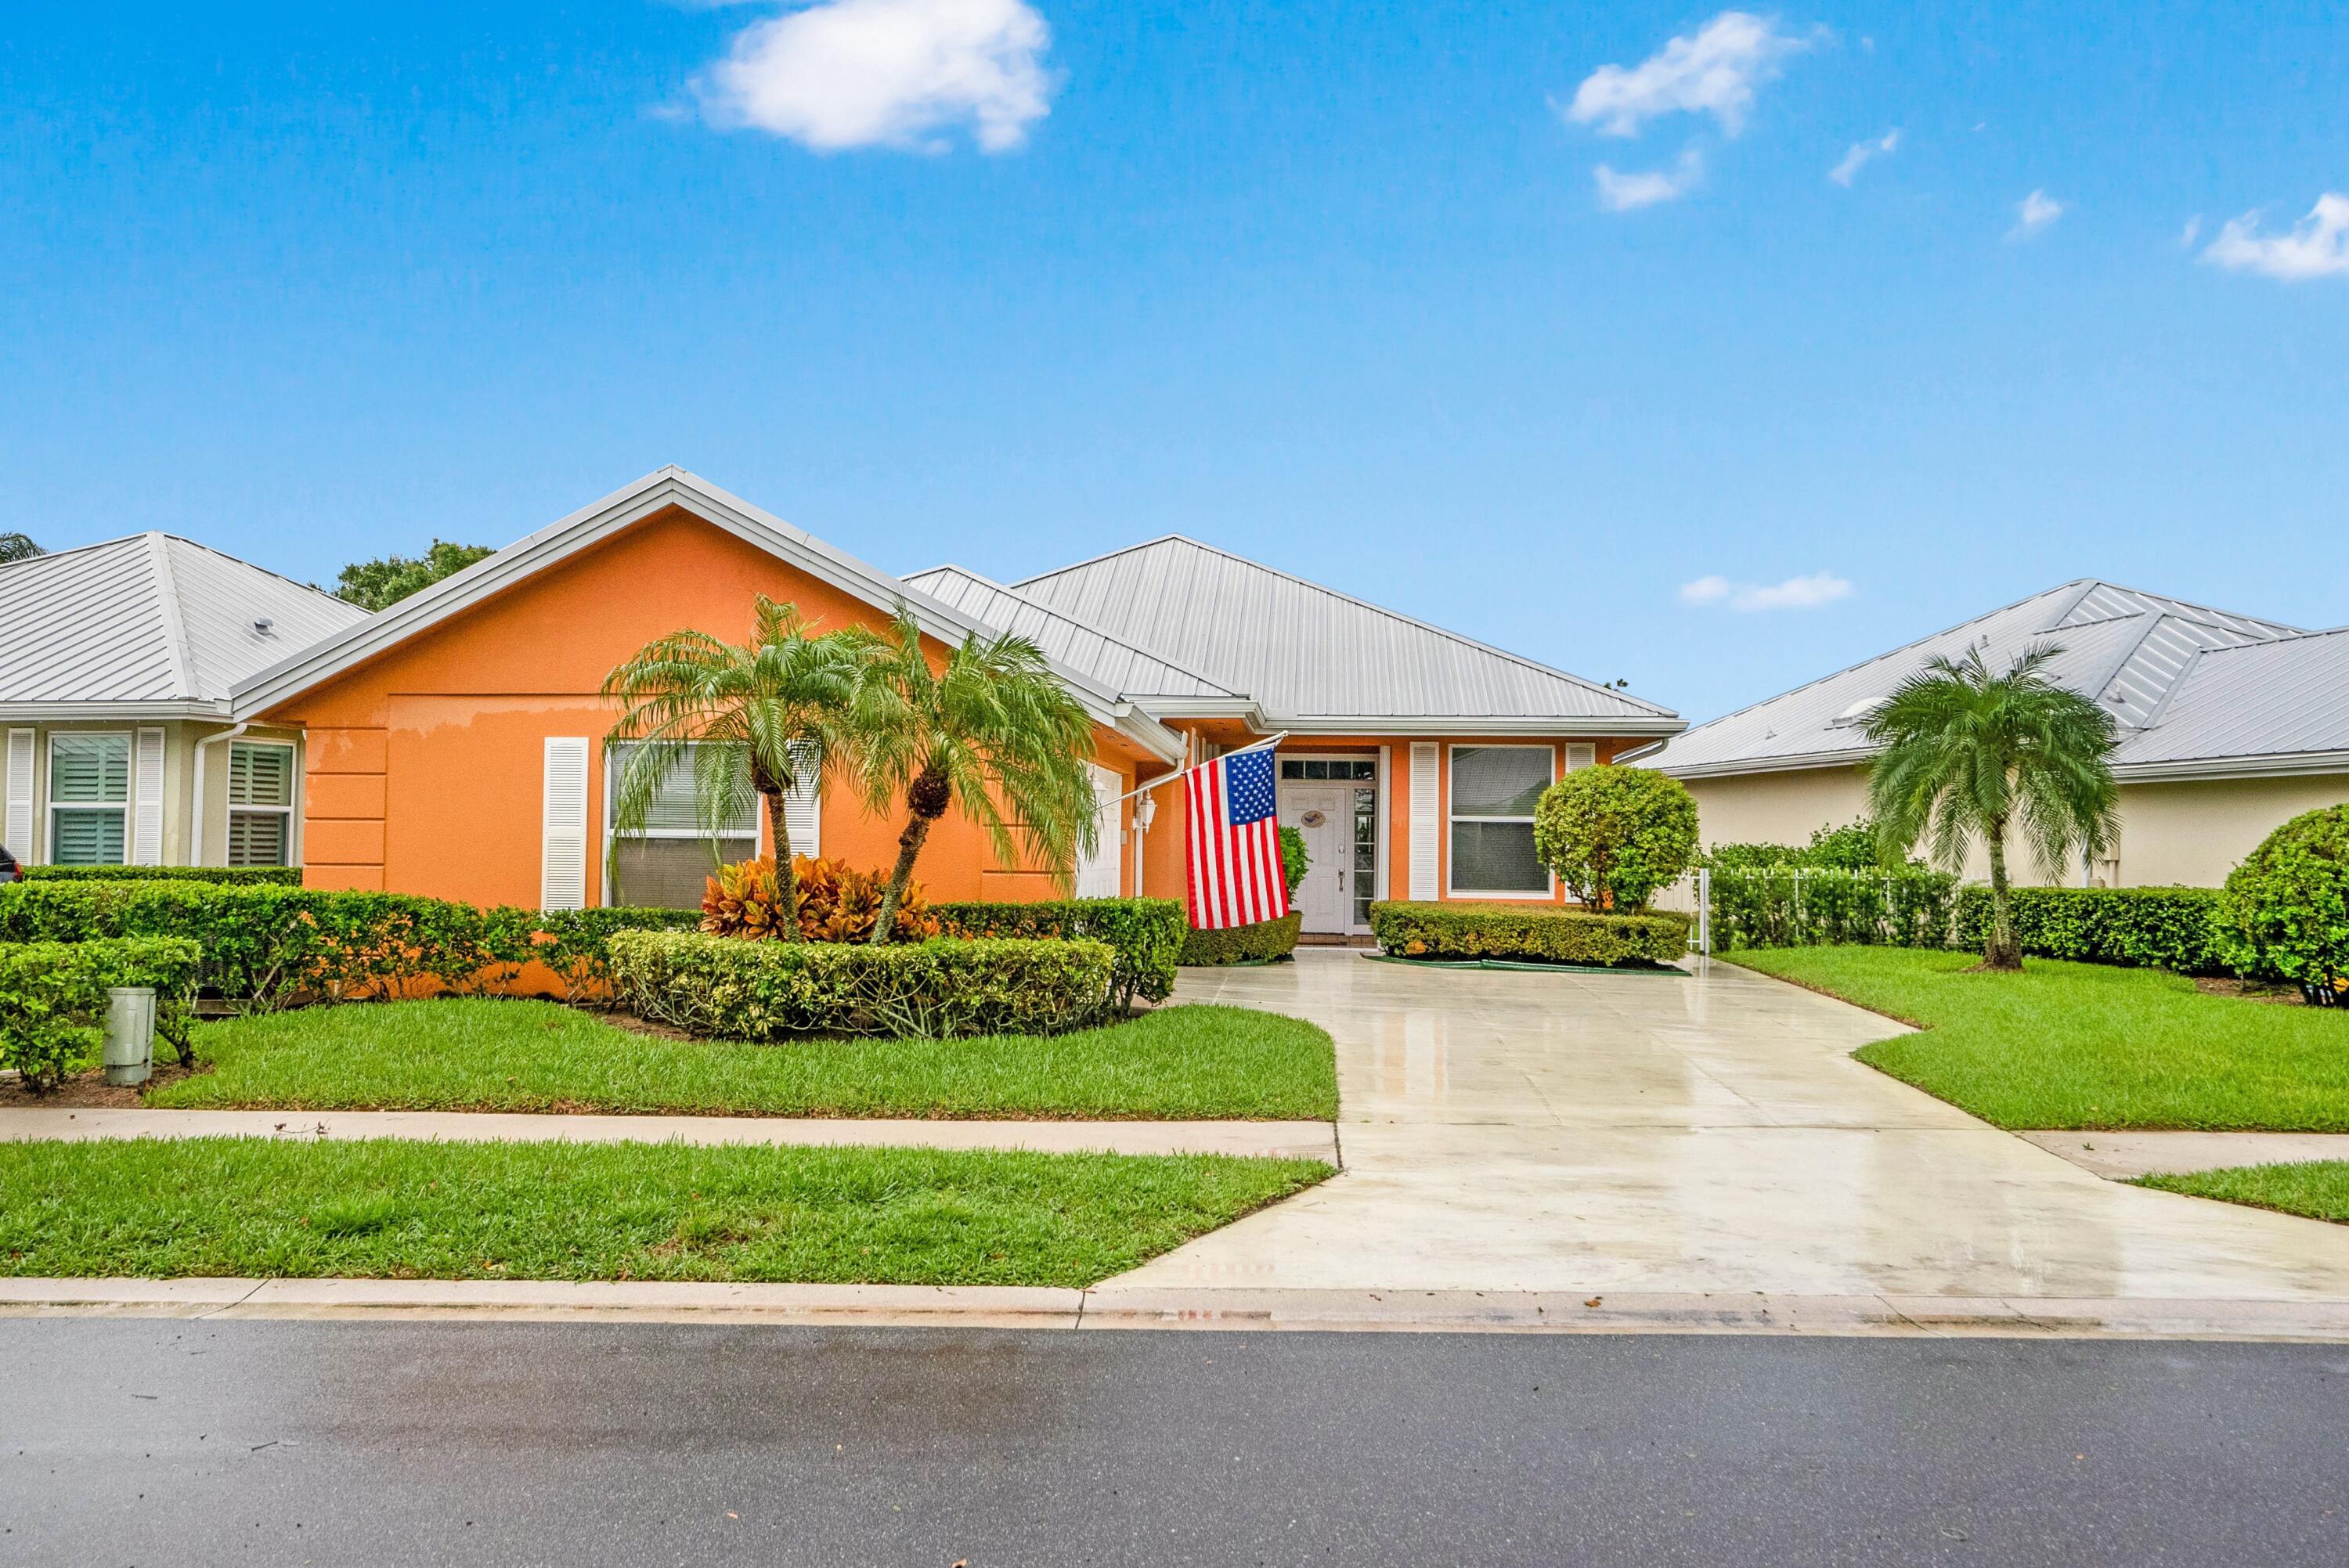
175,623
1059,614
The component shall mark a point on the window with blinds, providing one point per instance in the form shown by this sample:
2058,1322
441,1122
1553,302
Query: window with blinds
260,803
89,799
667,865
1495,790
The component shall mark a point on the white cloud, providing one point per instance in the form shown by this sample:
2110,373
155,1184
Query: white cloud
1794,593
1844,173
885,73
2034,212
1714,71
2316,247
1622,192
2191,233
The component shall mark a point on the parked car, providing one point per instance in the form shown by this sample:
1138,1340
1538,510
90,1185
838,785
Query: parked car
9,871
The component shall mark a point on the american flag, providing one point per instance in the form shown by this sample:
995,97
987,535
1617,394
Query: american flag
1234,844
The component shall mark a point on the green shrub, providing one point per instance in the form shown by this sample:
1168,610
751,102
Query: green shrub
53,999
228,876
723,987
571,942
2139,927
1145,933
1295,862
2285,913
1850,848
1615,835
1538,932
1795,906
1244,943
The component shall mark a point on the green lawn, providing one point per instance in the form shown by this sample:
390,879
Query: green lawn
2318,1188
2085,1045
387,1208
492,1054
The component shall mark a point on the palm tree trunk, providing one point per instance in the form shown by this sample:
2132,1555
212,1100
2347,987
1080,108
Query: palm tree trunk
927,800
2003,950
787,876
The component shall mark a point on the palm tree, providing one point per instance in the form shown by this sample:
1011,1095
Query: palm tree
18,547
1966,753
756,719
994,729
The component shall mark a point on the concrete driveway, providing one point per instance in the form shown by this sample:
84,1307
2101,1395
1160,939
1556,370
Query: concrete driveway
1560,1133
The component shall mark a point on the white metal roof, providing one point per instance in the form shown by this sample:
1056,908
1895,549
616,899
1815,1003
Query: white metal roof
2273,707
2130,650
1314,658
1119,665
150,622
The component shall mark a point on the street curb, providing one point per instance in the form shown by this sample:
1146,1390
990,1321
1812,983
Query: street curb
1270,1311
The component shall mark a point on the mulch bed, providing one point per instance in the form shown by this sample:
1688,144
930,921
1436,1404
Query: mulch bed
2252,991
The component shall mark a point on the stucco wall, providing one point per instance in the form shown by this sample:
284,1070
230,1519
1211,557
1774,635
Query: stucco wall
2185,832
426,764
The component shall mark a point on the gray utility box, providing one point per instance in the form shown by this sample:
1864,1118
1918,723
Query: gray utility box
129,1034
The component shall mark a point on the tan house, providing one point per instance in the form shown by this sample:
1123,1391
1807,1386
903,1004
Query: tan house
117,746
2230,724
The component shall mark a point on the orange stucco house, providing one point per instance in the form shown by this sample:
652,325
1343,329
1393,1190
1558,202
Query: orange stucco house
454,743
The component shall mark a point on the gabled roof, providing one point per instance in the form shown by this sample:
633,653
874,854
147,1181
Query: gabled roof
2130,650
657,492
151,625
1314,659
1116,664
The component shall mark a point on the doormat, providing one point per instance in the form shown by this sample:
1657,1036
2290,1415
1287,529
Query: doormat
1522,965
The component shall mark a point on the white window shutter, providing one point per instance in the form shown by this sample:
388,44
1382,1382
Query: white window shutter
803,807
146,792
1426,820
1583,755
19,838
563,843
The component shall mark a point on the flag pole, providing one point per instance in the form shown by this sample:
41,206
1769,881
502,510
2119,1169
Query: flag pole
1165,778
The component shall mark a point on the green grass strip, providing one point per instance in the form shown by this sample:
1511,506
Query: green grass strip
392,1209
2316,1188
2087,1046
1175,1063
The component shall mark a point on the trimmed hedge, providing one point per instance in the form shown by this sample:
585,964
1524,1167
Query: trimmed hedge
53,999
1244,943
270,946
1546,931
231,876
2285,913
723,987
2140,927
1147,934
1797,906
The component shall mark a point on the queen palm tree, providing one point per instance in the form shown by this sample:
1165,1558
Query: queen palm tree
994,733
756,719
1967,753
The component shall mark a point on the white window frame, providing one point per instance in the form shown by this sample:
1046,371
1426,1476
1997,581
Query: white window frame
1451,889
611,789
292,795
52,805
1377,783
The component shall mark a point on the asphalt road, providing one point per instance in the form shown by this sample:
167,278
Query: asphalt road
147,1442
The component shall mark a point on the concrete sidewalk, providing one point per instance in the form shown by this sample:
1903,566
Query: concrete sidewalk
1297,1139
1276,1311
2120,1155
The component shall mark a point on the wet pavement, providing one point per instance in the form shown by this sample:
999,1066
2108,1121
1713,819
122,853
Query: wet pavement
348,1443
1608,1134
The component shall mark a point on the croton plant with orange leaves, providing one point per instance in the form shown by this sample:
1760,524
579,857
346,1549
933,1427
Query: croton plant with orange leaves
837,902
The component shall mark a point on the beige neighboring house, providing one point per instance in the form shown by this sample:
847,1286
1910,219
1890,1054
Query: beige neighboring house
2230,724
116,746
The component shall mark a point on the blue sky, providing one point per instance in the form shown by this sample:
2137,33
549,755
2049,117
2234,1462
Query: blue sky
1339,287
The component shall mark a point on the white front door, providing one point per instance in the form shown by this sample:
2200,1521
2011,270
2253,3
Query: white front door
1097,873
1325,815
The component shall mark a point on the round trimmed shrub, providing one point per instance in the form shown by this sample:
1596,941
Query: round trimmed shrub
2284,912
1615,835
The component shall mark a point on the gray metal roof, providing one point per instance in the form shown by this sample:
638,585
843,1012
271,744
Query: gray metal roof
1306,654
1123,668
2130,650
152,618
2256,707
